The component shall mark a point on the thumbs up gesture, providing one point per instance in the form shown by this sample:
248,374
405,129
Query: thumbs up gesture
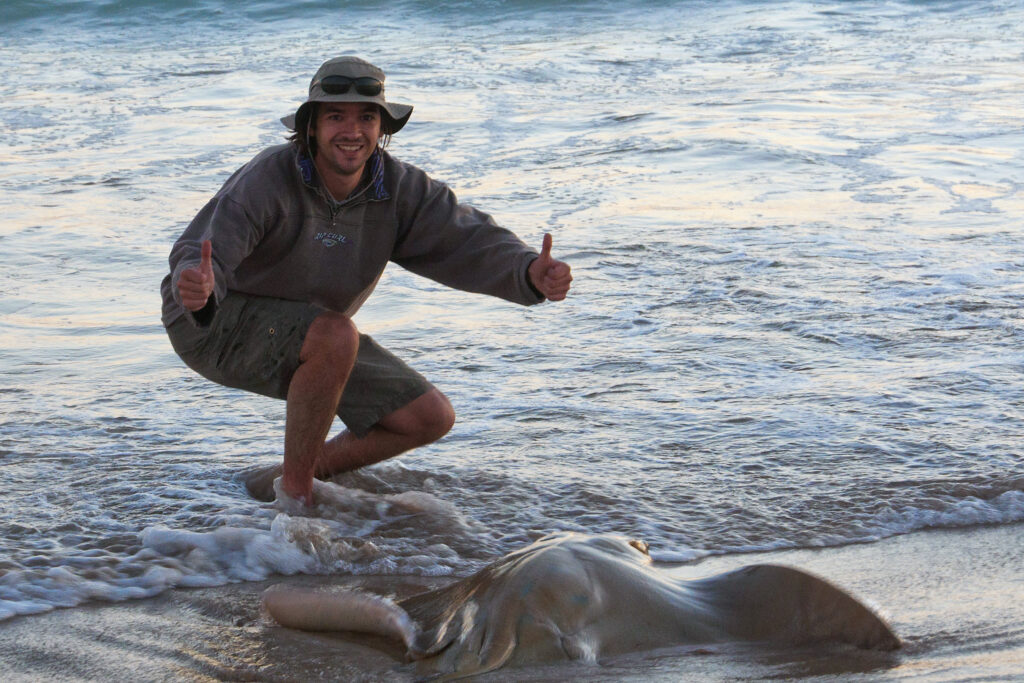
549,276
196,284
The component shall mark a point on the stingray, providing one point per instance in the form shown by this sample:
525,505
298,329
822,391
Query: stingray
578,597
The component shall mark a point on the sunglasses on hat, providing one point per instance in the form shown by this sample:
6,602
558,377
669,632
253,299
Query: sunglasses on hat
339,85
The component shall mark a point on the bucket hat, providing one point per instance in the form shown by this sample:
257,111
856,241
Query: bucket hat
359,75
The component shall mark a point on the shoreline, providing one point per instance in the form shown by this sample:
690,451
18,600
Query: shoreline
952,595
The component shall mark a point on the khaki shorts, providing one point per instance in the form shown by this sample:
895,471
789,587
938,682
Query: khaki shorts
253,343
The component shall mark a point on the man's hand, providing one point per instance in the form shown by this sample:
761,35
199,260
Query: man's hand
549,276
196,284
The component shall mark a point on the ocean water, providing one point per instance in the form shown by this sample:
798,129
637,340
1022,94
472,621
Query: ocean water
796,320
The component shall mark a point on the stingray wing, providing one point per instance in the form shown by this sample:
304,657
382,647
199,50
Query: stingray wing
441,614
785,605
457,638
507,612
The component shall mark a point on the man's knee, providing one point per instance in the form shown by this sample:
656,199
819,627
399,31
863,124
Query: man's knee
426,419
441,417
334,335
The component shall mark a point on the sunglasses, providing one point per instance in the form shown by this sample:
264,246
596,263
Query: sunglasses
339,85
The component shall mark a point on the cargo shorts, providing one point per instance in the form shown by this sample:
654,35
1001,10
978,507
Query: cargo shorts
253,343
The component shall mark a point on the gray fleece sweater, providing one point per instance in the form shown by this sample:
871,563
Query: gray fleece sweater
276,232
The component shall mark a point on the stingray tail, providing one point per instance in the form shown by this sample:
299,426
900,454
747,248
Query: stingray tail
310,609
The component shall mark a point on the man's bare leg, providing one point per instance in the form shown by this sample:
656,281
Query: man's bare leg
326,359
422,421
327,356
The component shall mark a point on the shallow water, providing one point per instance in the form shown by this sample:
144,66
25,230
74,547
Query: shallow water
795,323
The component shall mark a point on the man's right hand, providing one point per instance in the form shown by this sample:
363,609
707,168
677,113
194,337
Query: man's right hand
196,284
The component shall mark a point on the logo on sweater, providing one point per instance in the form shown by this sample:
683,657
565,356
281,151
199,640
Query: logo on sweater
329,239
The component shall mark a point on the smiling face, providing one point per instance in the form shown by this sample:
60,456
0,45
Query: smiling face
345,135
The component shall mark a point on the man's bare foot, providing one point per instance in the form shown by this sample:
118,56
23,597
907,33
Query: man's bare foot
260,482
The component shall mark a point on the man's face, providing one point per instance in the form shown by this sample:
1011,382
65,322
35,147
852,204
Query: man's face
346,135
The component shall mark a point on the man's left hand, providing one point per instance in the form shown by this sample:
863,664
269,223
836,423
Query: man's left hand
549,276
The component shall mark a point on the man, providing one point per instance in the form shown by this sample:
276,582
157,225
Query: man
265,279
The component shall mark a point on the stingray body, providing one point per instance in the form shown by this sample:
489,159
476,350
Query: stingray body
576,597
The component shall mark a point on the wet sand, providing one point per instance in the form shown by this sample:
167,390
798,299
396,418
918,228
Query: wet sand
955,597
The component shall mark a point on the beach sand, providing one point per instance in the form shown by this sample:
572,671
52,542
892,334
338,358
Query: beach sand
955,597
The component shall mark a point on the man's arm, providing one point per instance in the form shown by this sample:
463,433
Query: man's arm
199,273
462,247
